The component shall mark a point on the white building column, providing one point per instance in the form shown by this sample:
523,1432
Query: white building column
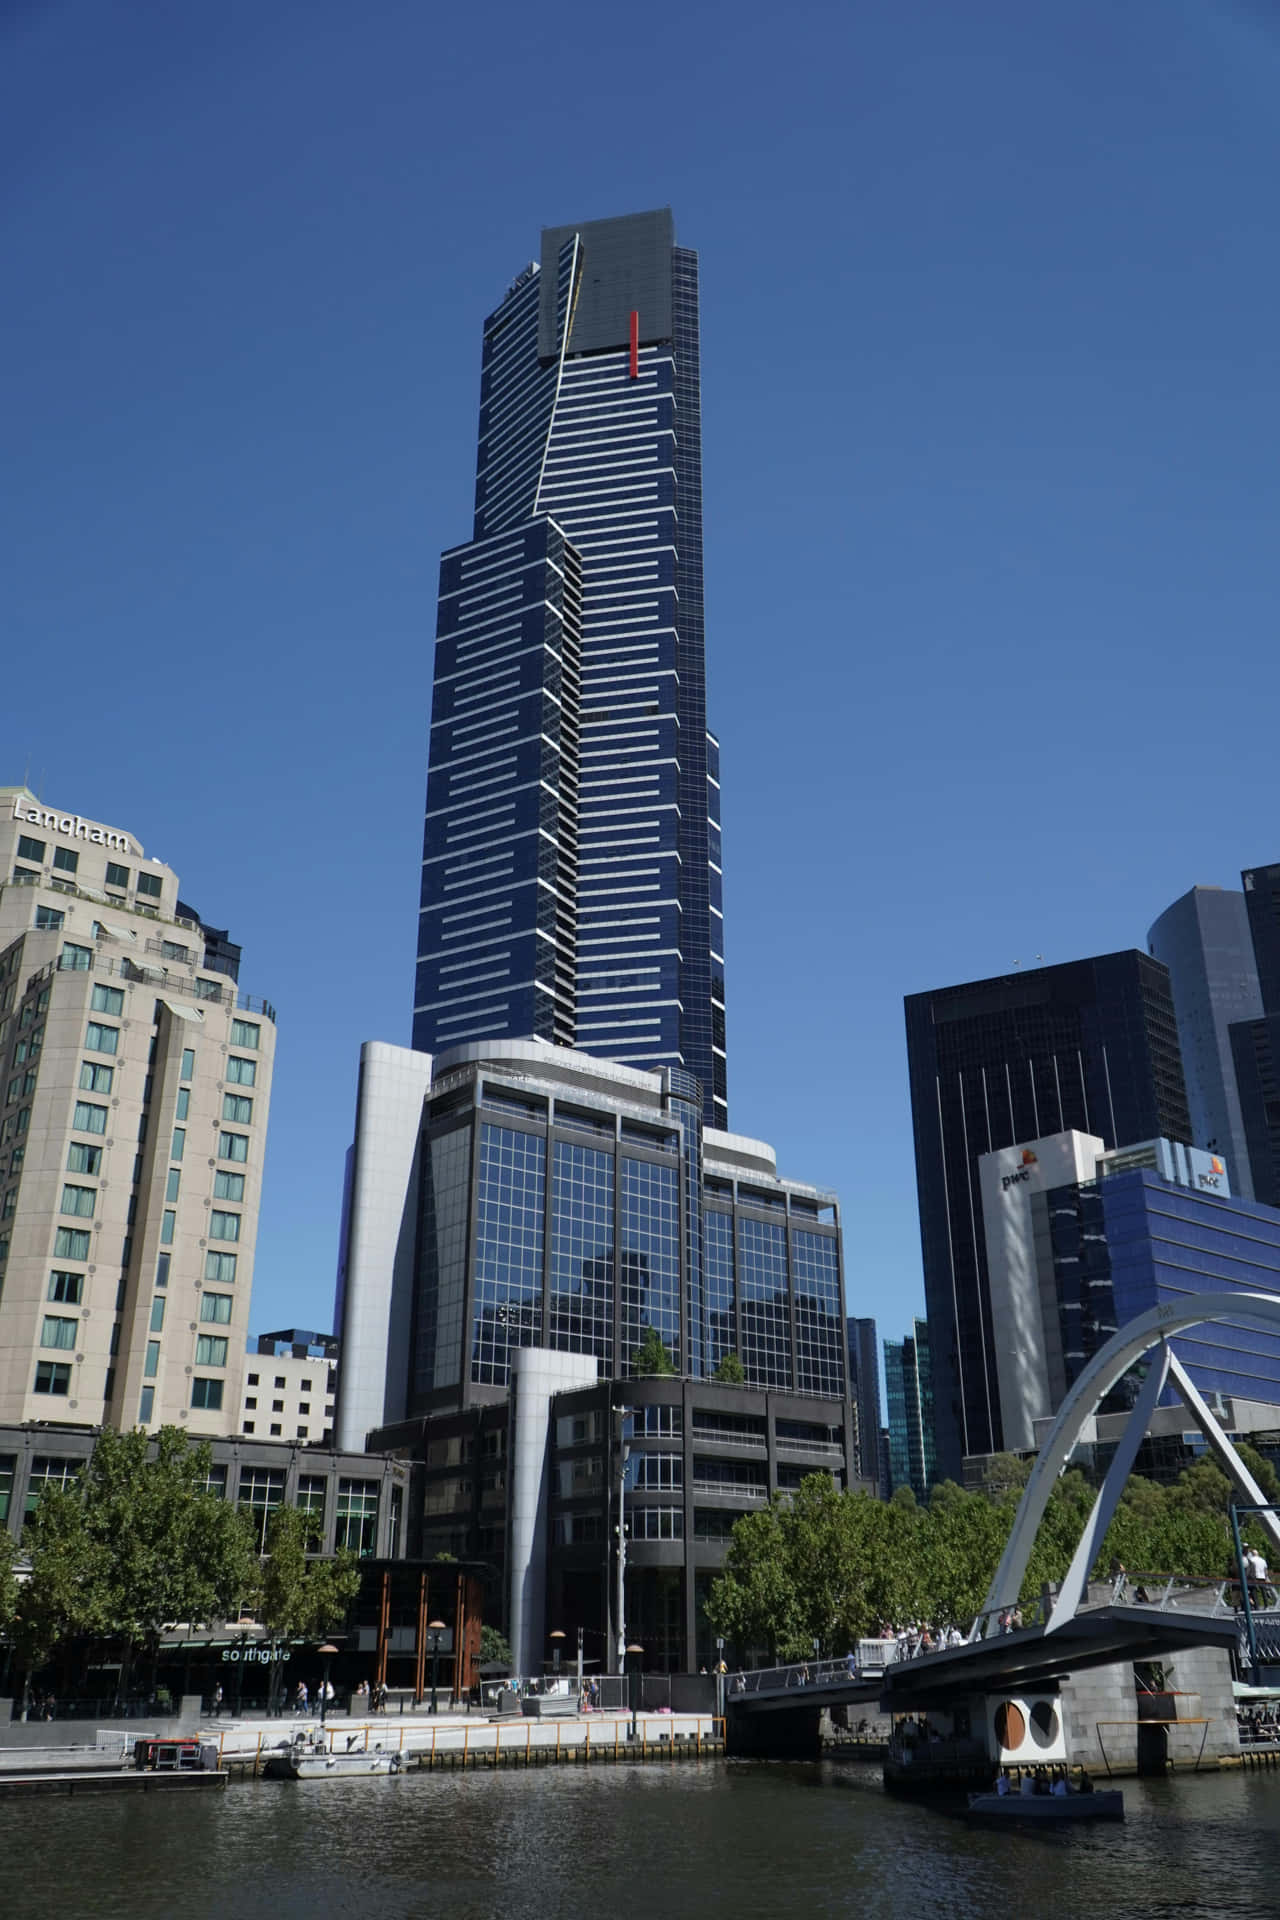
378,1258
537,1374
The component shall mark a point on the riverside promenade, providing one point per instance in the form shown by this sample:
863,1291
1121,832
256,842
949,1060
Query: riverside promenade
444,1740
453,1739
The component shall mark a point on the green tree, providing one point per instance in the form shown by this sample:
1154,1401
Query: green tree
8,1581
301,1599
754,1603
730,1370
66,1593
651,1356
495,1648
169,1549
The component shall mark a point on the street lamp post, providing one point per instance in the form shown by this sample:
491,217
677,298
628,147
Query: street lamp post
635,1650
624,1454
580,1631
435,1629
720,1677
328,1650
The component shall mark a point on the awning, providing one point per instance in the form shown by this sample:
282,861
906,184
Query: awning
183,1013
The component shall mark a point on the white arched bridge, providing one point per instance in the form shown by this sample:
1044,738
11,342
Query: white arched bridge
1072,1627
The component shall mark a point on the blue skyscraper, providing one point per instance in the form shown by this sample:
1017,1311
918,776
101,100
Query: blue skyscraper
571,858
1203,939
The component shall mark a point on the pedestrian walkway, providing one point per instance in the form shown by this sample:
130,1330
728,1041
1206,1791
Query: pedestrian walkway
459,1739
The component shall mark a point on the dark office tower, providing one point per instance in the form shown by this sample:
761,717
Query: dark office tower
571,878
1262,903
1093,1045
1203,939
1255,1042
864,1380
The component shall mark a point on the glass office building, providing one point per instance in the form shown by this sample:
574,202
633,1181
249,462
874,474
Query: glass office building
1091,1044
571,881
1255,1042
864,1383
1080,1242
1204,940
515,1195
908,1380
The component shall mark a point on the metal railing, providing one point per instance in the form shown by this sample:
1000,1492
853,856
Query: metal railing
144,973
1170,1592
799,1675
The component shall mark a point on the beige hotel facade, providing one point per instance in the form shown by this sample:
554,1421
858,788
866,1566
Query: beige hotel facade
135,1078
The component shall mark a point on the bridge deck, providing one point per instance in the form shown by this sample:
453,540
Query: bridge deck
1023,1661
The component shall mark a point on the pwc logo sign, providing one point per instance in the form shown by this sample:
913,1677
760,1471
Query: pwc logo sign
1023,1173
1214,1176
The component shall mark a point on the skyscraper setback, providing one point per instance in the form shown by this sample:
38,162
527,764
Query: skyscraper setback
571,858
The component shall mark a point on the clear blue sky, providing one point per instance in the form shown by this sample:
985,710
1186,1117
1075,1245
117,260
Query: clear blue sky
991,411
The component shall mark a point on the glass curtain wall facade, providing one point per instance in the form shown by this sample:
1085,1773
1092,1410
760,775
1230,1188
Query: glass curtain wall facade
1255,1043
864,1377
1091,1045
908,1382
1133,1240
571,880
546,1221
1204,940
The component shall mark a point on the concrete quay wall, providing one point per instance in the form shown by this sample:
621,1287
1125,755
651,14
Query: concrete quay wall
1110,1726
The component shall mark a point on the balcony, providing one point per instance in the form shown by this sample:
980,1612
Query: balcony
730,1442
820,1449
163,977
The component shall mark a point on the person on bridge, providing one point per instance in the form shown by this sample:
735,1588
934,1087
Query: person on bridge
1256,1565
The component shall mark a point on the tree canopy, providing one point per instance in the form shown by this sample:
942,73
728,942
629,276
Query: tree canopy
135,1543
731,1370
651,1356
821,1565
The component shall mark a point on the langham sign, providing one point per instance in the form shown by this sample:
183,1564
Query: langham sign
74,828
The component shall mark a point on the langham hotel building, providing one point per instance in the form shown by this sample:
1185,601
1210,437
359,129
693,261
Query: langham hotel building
134,1084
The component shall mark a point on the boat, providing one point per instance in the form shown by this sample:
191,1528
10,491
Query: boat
1046,1809
314,1762
921,1759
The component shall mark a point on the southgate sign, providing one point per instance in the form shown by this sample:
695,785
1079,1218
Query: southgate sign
74,827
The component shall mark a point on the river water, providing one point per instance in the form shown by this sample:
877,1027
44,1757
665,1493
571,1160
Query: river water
690,1838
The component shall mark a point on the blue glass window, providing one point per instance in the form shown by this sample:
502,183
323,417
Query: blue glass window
819,1316
722,1332
582,1252
650,1257
509,1247
762,1291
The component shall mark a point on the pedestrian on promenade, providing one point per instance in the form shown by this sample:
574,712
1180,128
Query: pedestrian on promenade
300,1698
217,1702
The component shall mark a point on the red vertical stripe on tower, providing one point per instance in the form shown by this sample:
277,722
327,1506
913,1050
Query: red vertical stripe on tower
635,346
